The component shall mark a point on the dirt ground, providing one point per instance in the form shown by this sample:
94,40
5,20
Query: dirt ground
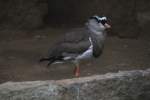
19,55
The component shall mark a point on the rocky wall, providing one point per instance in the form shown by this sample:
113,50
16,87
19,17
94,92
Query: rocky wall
128,18
22,14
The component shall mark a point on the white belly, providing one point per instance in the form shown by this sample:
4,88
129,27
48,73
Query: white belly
86,55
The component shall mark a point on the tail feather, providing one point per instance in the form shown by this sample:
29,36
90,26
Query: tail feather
50,60
44,59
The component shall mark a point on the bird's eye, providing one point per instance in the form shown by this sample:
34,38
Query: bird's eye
103,21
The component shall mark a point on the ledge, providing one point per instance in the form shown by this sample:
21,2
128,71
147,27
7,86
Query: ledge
124,85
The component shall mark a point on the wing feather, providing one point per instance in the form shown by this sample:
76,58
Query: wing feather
74,42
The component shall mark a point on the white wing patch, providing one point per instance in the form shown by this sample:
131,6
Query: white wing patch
88,53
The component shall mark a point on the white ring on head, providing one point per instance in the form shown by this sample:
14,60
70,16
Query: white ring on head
102,18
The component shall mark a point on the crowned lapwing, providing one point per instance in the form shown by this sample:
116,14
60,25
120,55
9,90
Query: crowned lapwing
84,44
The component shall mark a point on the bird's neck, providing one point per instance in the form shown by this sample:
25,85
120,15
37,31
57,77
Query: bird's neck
100,34
95,31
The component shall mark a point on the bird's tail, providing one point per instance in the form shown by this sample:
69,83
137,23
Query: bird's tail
50,60
44,59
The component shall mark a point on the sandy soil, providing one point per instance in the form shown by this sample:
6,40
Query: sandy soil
19,57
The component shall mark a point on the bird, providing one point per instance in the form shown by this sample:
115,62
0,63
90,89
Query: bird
86,43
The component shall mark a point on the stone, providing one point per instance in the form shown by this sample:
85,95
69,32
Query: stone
124,85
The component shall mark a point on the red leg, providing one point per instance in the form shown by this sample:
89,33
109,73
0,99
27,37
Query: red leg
77,71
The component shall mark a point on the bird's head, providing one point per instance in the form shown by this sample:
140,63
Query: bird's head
97,23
